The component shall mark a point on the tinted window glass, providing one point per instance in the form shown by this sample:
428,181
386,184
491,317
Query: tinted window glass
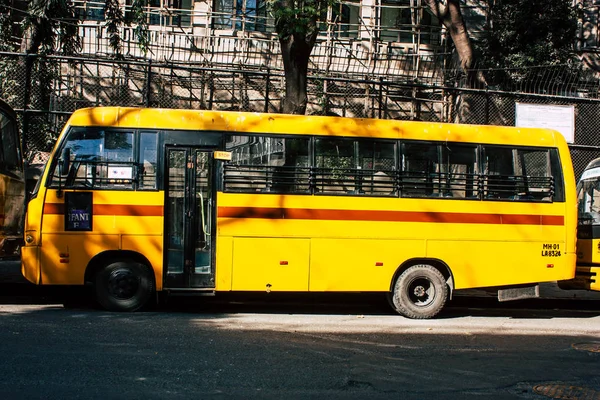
377,164
439,170
98,158
148,141
263,163
420,169
517,174
460,171
336,166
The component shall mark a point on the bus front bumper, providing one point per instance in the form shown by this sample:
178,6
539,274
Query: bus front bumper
30,264
586,278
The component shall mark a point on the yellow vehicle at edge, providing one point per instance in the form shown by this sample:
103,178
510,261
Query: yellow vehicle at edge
588,230
12,183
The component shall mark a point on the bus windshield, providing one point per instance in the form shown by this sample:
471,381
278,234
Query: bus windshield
588,198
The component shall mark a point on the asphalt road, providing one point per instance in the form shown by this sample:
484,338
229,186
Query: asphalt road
307,347
51,352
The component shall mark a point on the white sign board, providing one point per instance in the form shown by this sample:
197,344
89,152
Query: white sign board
559,118
120,172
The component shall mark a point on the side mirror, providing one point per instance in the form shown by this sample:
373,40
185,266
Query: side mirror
64,162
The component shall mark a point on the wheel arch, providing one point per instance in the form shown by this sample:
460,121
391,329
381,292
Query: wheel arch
102,259
434,262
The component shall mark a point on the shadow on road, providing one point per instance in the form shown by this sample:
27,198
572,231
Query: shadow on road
311,303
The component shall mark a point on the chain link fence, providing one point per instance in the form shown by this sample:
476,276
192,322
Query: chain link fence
46,90
496,108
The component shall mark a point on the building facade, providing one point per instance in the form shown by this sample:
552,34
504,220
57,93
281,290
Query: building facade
361,37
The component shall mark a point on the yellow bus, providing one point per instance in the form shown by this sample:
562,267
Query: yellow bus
588,230
139,201
12,183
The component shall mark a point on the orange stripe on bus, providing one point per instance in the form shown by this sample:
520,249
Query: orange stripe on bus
394,216
111,209
332,215
128,210
54,208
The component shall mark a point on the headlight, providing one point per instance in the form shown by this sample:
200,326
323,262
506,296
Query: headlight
30,238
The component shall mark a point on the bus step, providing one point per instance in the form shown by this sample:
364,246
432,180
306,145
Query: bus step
519,292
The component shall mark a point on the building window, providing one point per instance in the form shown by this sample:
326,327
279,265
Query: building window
166,12
248,15
403,23
345,19
90,10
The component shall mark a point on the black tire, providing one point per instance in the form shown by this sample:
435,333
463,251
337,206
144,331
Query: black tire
124,286
420,292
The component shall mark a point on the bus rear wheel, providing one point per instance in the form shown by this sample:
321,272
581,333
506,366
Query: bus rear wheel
124,286
420,292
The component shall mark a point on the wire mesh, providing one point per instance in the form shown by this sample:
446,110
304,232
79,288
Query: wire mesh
47,89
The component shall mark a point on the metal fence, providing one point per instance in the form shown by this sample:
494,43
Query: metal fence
46,90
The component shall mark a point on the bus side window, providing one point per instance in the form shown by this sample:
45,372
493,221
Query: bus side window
147,157
537,182
461,169
520,174
498,173
377,164
336,168
267,164
421,170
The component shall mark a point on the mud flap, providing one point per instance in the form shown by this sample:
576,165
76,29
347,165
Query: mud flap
519,292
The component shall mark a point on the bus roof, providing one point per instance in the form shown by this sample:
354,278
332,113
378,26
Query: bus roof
247,122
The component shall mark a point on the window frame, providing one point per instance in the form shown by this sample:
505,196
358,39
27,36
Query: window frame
52,182
474,182
554,170
237,17
262,177
307,178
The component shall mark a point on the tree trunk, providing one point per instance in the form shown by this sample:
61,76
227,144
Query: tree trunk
32,39
30,44
451,17
295,53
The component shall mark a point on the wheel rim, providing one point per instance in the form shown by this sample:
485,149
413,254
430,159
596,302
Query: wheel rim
421,292
123,283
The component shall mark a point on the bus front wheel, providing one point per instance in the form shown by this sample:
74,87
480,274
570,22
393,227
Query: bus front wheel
124,286
420,292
